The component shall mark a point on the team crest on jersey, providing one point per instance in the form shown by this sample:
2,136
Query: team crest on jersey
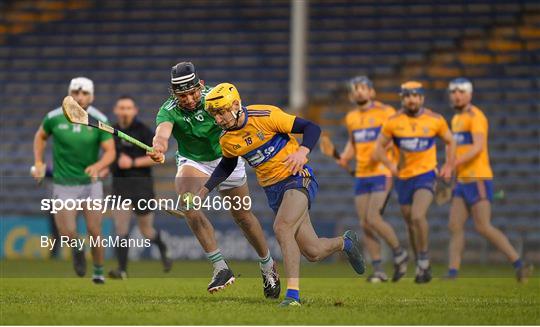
426,130
371,121
260,135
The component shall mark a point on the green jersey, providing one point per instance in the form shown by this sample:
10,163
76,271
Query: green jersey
195,131
75,146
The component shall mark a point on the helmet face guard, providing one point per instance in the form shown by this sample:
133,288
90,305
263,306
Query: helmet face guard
223,97
411,87
461,84
184,78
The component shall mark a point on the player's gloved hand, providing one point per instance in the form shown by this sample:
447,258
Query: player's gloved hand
125,161
38,171
295,161
93,172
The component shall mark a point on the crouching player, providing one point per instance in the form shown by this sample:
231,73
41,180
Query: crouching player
261,134
474,189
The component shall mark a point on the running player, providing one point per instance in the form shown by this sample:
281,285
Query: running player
473,192
132,179
197,135
77,167
413,129
261,134
373,180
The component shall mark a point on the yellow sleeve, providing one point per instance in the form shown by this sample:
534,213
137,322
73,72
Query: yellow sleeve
225,151
387,129
479,125
443,127
279,121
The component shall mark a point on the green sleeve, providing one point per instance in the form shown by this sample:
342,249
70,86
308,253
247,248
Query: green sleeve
47,125
104,136
164,112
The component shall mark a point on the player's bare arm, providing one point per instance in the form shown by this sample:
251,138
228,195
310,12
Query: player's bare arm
40,142
380,153
347,154
107,158
127,162
448,167
160,143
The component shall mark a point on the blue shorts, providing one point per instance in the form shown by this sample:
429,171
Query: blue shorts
407,187
365,185
274,192
474,191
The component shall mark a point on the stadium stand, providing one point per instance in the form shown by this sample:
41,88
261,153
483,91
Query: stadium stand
127,47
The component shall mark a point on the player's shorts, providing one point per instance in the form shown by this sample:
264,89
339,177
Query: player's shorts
135,189
236,179
305,181
475,191
407,187
75,192
372,184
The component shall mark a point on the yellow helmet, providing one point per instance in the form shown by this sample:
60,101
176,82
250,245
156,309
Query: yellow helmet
221,96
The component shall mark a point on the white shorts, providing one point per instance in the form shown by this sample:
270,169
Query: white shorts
236,179
73,192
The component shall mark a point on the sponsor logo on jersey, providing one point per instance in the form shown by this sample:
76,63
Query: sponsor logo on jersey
63,126
414,144
366,134
463,138
266,151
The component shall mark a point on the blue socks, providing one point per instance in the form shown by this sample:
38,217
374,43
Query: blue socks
452,272
293,294
517,264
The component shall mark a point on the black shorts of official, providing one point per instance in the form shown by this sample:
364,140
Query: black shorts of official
135,189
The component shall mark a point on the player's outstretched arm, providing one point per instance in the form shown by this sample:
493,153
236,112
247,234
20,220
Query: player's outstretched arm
40,142
160,142
223,170
379,154
311,133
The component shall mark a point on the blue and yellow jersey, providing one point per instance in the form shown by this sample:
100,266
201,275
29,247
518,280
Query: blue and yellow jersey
415,138
264,141
464,124
364,128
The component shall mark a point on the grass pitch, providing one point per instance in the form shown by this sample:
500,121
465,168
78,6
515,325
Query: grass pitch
330,292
